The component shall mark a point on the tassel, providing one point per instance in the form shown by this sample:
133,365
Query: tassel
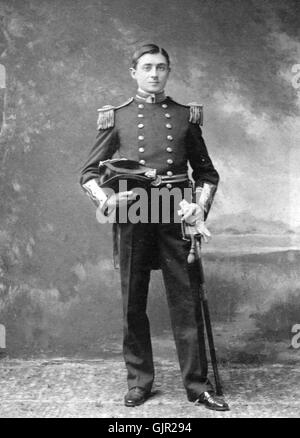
196,113
106,118
192,253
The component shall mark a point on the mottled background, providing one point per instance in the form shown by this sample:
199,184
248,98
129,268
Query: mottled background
61,60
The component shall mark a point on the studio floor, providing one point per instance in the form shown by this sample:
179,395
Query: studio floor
65,388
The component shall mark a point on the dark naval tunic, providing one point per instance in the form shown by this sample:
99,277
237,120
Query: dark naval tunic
157,135
166,136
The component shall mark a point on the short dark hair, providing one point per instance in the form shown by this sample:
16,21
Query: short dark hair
148,48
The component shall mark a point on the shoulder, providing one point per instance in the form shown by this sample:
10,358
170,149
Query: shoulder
194,109
106,114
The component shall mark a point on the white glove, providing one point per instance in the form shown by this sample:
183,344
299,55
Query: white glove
106,211
193,215
120,199
106,204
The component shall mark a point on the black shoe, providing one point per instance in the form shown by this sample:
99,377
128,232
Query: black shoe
136,396
210,401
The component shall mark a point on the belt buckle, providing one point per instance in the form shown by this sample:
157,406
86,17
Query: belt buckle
157,181
156,178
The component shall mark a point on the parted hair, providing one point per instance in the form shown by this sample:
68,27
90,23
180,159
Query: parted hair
148,48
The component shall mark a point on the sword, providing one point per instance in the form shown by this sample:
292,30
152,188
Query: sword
195,257
197,278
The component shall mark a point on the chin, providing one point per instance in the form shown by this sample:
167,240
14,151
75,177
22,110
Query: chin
154,90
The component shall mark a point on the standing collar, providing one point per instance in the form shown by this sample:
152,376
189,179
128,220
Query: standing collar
143,96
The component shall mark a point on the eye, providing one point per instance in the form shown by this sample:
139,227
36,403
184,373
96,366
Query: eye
162,68
147,67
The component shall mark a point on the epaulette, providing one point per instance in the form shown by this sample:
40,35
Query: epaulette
106,117
196,113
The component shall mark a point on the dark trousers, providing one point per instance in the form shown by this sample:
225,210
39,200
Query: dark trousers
140,246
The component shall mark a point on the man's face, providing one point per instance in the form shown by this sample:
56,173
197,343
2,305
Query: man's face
151,72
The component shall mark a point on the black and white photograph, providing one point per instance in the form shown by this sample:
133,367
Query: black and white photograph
149,211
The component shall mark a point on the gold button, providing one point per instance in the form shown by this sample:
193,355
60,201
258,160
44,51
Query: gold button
169,173
140,116
141,137
169,186
167,115
140,125
169,126
164,106
169,137
141,150
169,149
141,106
169,161
203,159
142,162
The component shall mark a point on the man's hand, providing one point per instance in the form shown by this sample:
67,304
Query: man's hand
193,215
120,199
106,211
107,201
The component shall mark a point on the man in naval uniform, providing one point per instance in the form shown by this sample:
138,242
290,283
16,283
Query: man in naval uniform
162,134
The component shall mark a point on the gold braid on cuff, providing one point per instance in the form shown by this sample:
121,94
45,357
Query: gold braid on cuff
205,195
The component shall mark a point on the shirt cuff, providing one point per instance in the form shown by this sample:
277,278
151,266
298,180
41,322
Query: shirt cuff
95,193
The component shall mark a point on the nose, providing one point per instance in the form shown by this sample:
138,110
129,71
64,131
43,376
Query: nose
154,72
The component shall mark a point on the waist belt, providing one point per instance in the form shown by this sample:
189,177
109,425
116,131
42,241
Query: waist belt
166,179
137,175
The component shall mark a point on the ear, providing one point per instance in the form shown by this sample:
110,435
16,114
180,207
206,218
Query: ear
133,72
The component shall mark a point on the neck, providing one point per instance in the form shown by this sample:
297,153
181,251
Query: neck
150,97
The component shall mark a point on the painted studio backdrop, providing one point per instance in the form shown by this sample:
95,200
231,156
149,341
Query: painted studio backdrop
63,59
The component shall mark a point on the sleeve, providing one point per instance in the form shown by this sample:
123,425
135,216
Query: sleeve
203,170
204,174
106,145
